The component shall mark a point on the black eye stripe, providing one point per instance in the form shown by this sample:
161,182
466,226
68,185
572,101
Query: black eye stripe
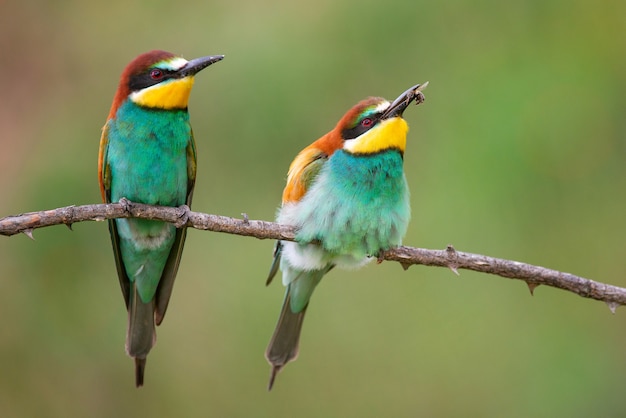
143,80
359,129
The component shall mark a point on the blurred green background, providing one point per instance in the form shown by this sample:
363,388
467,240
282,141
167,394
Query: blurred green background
518,153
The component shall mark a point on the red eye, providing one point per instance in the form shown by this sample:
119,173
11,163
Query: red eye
367,122
156,74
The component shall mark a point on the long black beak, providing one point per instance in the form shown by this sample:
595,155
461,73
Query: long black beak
196,65
404,100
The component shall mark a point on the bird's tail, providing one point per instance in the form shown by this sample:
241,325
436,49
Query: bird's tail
141,333
283,346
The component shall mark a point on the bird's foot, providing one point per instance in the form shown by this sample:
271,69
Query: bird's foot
183,216
126,204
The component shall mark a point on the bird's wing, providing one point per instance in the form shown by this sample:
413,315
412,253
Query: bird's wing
191,168
276,263
166,284
302,172
104,177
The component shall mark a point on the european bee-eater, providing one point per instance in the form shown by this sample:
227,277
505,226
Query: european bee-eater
347,196
148,155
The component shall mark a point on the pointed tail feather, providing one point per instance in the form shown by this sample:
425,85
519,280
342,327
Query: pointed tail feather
166,284
283,346
140,367
141,333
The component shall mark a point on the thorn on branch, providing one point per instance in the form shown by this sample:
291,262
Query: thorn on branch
405,266
29,233
613,306
68,216
532,286
246,220
453,259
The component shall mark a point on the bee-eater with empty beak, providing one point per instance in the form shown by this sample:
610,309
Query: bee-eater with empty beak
347,196
148,155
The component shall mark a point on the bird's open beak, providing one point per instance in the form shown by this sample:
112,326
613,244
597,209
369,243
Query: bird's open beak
196,65
404,100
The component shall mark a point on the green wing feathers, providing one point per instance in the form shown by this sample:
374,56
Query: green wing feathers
166,284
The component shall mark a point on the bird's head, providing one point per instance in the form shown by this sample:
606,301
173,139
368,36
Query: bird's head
375,124
371,126
159,79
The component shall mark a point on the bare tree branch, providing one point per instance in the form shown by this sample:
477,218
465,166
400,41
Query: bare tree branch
183,217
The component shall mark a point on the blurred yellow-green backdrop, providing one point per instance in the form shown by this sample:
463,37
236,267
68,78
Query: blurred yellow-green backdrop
519,152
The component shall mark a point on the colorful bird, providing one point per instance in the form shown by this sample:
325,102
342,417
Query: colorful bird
148,155
347,196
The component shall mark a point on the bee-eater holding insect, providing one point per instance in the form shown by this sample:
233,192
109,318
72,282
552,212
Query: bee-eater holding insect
148,155
347,196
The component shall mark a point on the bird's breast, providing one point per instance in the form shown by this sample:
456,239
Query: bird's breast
147,156
357,206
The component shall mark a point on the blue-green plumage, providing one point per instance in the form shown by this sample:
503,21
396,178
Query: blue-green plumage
355,207
148,147
148,159
358,205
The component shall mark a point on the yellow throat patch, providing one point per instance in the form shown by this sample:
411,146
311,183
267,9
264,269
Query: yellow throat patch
389,134
172,94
